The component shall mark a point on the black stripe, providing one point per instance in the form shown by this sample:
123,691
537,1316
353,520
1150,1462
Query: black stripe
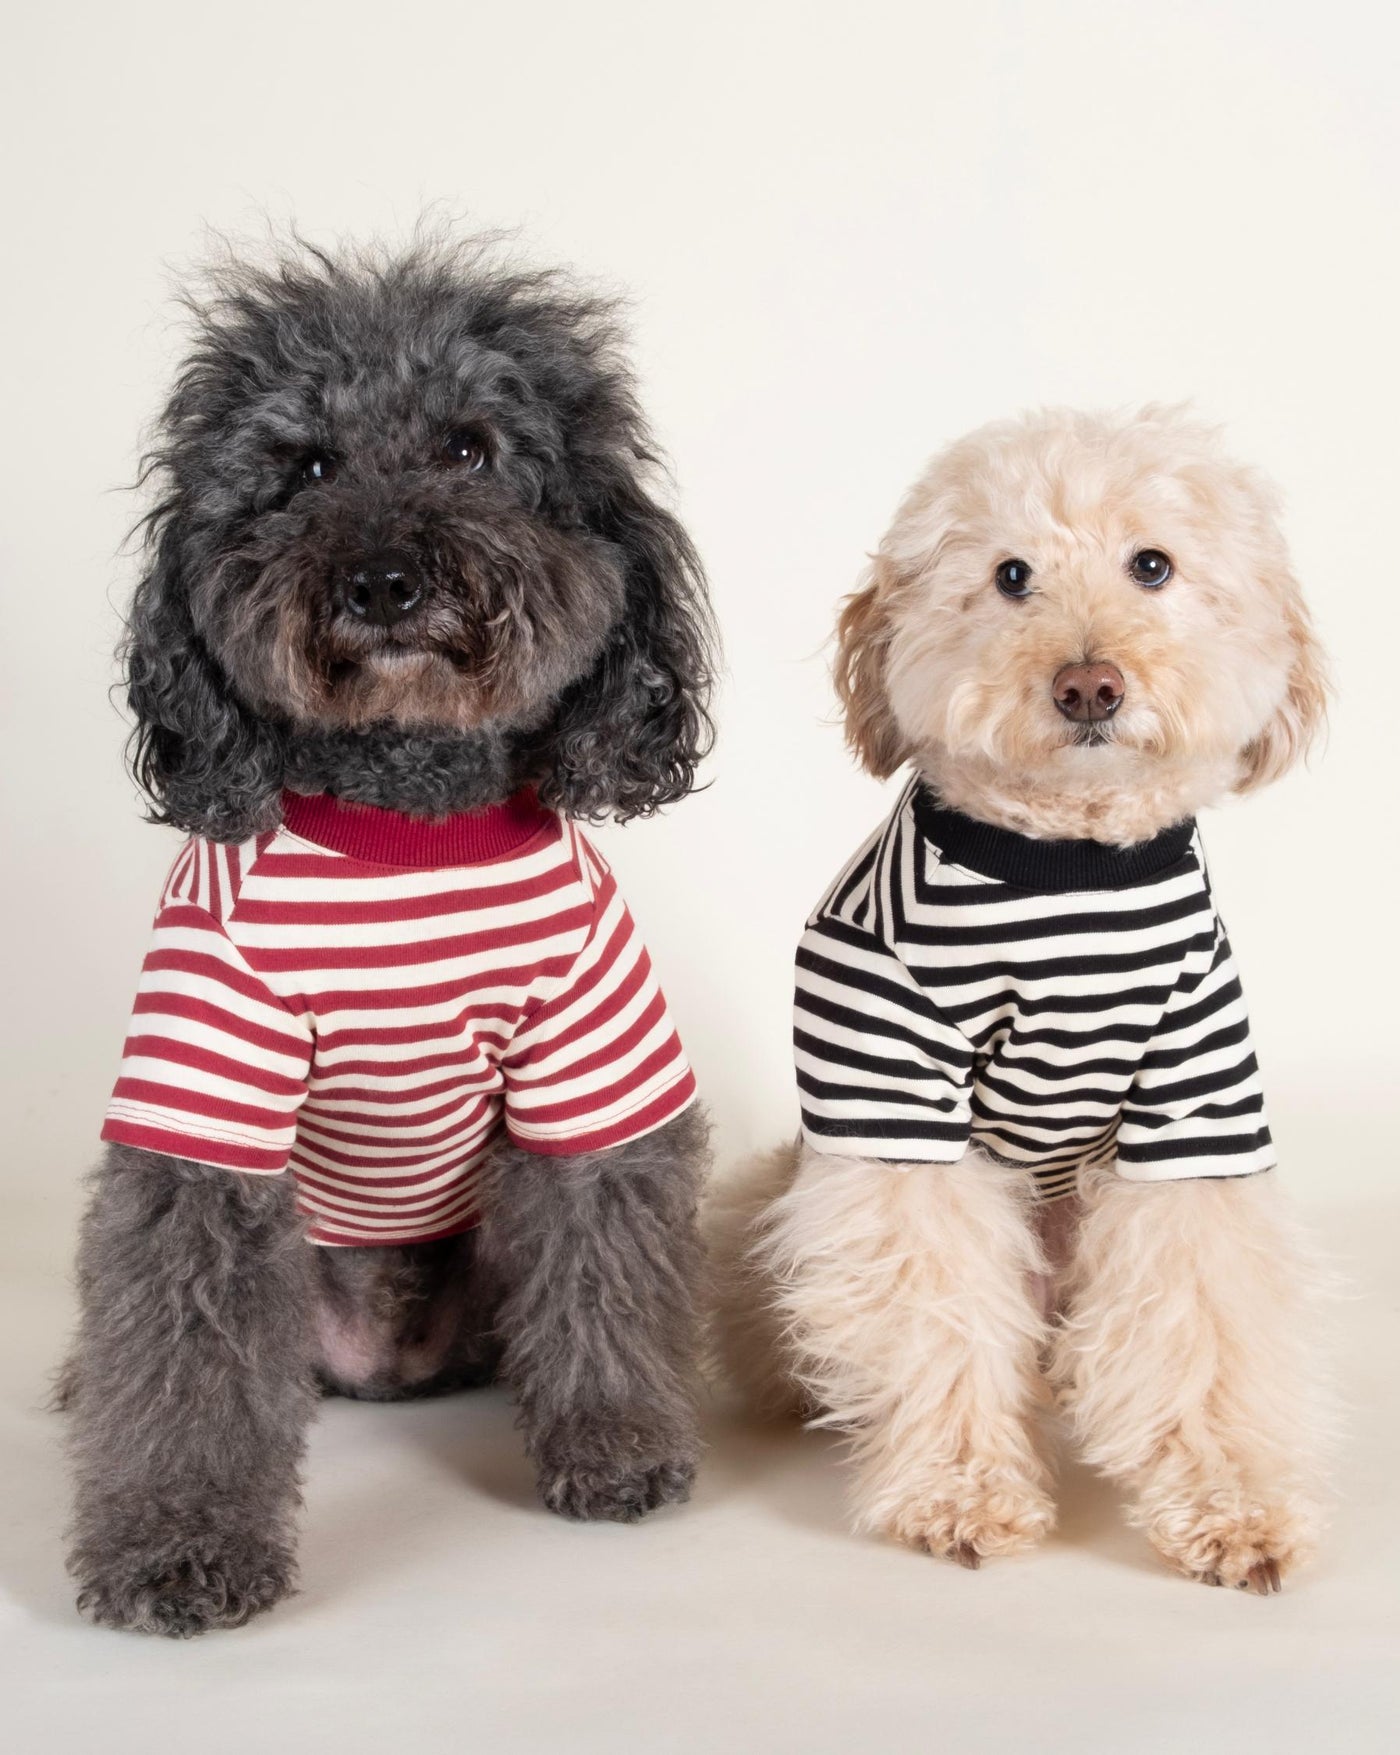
1164,956
1230,1037
1168,1151
883,1130
873,1024
831,1092
1206,1084
1150,998
854,1060
1151,1118
1054,925
1060,1069
987,1080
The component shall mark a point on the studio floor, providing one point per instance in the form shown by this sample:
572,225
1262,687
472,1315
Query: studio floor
441,1608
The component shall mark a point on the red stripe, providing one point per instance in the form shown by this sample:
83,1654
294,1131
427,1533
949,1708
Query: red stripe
303,958
464,1138
166,958
371,1128
349,1184
199,1103
608,1053
521,975
609,1006
462,1057
211,857
415,1093
606,1096
170,1003
275,911
190,1145
422,1207
443,1030
661,1110
173,1053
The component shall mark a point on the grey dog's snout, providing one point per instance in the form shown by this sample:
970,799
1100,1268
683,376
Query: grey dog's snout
382,589
1088,693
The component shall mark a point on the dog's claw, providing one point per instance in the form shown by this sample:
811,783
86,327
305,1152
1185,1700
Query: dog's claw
967,1556
1264,1580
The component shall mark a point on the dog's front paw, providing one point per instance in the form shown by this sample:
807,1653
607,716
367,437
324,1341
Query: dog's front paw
974,1522
1232,1539
615,1473
181,1587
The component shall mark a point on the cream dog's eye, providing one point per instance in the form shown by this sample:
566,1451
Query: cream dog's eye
1014,578
1150,567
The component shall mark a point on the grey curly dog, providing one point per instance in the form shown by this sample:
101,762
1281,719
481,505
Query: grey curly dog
480,425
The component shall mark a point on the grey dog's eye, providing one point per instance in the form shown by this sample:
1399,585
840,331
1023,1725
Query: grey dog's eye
1014,578
465,448
319,469
1150,567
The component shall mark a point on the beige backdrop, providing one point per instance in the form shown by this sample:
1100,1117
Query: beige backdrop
849,232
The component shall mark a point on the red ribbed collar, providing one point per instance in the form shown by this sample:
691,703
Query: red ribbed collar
387,837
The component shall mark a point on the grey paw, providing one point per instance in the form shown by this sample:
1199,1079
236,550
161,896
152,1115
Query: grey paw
614,1470
185,1587
617,1493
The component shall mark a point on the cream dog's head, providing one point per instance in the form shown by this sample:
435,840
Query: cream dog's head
1083,625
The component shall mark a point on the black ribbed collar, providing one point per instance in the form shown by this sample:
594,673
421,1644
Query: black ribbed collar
1032,864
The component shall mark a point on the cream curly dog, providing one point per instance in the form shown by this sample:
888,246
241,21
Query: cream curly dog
1033,1144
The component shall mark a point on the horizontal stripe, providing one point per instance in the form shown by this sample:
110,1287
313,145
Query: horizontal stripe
936,1006
379,1032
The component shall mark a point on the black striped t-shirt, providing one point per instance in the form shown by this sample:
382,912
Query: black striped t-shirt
1057,1003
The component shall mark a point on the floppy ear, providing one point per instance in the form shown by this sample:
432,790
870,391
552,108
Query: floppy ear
1302,713
862,648
627,737
204,762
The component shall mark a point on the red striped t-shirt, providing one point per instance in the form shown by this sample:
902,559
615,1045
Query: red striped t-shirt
375,1001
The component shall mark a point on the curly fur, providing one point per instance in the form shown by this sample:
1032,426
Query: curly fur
601,1257
562,640
1226,683
565,632
907,1300
909,1312
1187,1366
189,1390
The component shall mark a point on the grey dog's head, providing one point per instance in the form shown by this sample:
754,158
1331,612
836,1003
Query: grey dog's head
406,551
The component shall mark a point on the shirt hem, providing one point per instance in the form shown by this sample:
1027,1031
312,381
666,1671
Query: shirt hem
220,1155
654,1114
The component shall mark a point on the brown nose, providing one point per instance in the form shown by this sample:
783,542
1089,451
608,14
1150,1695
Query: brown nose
1087,693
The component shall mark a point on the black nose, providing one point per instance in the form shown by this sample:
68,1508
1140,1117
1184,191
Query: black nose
382,589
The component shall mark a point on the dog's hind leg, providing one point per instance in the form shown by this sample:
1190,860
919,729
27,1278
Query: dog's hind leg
909,1294
1183,1362
600,1263
189,1393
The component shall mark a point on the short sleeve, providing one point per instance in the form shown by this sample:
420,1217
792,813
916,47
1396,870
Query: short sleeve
215,1065
598,1062
1196,1107
880,1072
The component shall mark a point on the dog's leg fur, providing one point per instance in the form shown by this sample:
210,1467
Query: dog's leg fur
749,1346
600,1260
189,1394
910,1300
1183,1364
